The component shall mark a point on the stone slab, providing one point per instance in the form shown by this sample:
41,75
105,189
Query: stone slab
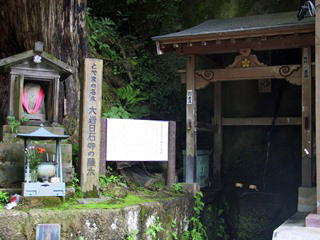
313,220
307,199
106,224
294,229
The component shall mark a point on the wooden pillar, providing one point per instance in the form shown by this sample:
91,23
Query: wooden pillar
317,99
191,121
18,97
55,100
172,154
306,126
11,95
217,138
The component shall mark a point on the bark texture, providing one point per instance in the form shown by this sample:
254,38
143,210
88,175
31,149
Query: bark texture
60,24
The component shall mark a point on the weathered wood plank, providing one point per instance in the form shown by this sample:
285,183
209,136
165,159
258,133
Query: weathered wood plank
191,120
306,119
172,154
56,103
292,73
217,135
91,124
11,95
103,146
260,121
317,100
18,97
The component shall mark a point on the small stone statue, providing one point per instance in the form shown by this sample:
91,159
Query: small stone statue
33,102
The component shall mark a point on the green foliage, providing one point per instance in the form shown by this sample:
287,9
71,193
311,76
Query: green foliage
136,83
174,230
111,178
197,230
4,197
132,235
75,183
177,188
214,220
154,229
15,124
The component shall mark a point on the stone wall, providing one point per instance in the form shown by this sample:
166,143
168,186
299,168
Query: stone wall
98,224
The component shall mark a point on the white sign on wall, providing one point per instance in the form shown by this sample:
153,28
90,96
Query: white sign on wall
137,140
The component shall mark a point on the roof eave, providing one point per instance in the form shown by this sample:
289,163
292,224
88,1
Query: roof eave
236,34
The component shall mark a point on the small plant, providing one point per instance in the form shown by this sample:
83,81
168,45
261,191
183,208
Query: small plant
132,235
75,183
154,229
177,188
174,232
15,124
34,156
197,231
112,179
4,197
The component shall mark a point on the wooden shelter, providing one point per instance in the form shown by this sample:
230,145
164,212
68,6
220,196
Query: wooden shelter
244,35
40,67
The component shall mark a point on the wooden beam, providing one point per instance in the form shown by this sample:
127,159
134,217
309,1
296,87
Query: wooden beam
291,73
191,121
317,100
171,177
217,135
261,121
306,118
257,44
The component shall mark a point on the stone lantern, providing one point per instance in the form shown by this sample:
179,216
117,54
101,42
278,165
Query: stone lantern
34,91
53,184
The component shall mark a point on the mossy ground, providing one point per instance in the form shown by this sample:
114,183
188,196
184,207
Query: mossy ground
133,198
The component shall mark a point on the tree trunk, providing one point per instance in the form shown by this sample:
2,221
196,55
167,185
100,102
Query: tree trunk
60,24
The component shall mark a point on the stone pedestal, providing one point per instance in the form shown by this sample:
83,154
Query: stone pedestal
307,199
313,220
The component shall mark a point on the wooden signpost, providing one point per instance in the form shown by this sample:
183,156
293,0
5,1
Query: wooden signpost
91,124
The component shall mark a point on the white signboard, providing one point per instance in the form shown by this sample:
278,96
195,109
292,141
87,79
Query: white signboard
137,140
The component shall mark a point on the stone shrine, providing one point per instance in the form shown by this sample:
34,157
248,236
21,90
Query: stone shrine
35,80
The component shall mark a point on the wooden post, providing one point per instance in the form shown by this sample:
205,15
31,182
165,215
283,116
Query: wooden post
217,138
18,97
317,99
191,121
306,118
55,100
103,146
90,124
11,95
172,154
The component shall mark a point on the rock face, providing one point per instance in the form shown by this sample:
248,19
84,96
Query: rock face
99,224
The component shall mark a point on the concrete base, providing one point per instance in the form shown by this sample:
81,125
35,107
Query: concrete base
192,188
307,199
313,220
294,229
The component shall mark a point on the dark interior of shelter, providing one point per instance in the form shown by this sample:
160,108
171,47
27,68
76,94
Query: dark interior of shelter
261,165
